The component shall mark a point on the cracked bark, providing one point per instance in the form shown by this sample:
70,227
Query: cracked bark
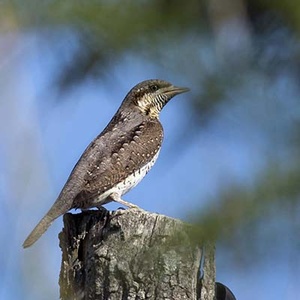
130,254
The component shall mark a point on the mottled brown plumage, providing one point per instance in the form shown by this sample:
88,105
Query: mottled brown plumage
118,158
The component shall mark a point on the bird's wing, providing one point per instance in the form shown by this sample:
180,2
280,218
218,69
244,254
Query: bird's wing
128,153
105,162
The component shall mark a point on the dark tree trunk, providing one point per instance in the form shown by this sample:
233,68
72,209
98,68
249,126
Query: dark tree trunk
131,254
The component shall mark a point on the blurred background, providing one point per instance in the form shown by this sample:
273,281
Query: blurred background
230,159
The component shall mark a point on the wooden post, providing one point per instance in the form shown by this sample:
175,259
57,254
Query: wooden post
130,254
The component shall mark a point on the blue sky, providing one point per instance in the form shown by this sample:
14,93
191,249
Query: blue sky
42,136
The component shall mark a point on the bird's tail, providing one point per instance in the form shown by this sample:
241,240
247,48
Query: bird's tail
39,229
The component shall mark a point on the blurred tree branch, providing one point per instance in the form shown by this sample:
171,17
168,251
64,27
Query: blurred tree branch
240,211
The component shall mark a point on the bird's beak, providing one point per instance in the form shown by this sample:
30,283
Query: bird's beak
175,90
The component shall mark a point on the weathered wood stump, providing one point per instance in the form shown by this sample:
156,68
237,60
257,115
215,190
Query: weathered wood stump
131,254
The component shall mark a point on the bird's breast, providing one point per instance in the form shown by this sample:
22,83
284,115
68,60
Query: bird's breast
129,182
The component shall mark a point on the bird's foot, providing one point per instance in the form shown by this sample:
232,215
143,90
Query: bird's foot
101,208
116,197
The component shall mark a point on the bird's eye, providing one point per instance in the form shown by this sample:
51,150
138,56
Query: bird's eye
153,88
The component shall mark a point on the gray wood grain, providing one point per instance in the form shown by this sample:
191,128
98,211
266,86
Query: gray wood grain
128,254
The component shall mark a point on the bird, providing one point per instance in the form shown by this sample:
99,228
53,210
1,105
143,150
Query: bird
118,158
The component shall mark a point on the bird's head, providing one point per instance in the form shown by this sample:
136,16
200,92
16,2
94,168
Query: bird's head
151,96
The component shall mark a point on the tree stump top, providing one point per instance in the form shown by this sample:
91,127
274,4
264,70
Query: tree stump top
127,254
